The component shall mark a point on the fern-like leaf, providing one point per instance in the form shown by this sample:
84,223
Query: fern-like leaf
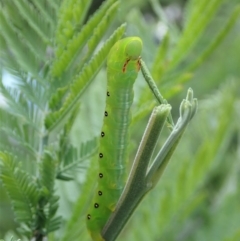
48,172
82,81
14,100
57,98
54,224
14,138
48,202
26,35
21,189
46,11
71,16
75,225
33,91
73,158
75,45
18,48
32,17
98,33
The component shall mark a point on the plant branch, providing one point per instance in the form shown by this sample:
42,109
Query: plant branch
140,180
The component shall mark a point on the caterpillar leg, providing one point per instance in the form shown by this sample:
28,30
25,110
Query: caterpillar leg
96,236
94,228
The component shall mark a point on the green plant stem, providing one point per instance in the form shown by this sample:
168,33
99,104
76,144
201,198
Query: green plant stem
152,85
135,188
140,180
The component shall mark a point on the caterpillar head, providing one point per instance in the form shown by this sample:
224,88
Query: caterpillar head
133,47
126,49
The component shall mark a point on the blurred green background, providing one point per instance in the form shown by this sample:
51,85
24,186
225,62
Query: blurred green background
198,197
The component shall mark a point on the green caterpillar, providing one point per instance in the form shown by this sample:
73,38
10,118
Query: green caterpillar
123,65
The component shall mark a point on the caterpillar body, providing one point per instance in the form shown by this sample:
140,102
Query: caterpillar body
122,69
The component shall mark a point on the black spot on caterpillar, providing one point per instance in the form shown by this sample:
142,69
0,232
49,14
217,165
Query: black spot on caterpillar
96,205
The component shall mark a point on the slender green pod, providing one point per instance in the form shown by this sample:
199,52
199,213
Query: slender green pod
123,65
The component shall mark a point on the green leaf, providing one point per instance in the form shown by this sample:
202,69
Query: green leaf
72,14
46,11
99,32
21,188
75,226
75,45
73,158
48,172
32,17
81,82
25,59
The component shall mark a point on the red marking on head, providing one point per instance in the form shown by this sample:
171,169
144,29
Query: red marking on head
138,64
125,65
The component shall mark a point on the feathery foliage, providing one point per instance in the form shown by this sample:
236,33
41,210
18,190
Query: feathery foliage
81,81
53,51
77,218
71,158
76,42
21,188
33,44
